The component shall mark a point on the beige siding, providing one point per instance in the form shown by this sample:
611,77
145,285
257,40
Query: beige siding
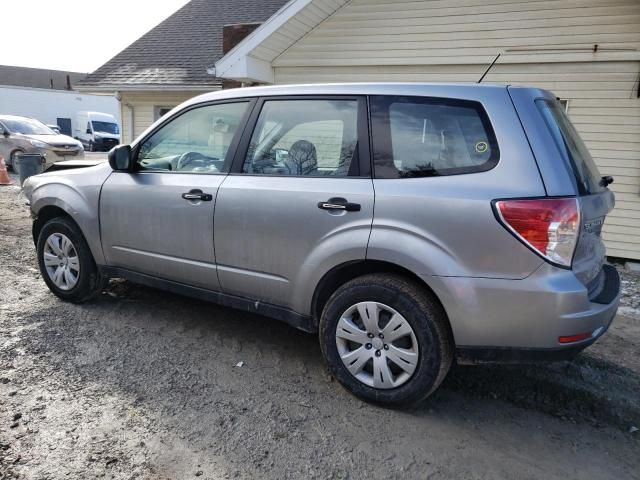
387,32
544,43
144,106
299,26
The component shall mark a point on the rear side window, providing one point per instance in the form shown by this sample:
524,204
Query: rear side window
420,137
571,146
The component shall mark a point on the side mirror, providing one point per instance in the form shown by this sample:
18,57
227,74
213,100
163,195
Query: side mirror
88,131
4,132
120,158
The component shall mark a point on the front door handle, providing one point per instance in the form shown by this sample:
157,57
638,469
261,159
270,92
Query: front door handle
196,194
338,203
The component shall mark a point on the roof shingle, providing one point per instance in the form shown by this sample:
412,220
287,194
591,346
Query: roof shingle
178,51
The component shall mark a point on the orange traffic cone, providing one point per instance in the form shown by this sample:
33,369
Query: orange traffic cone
4,176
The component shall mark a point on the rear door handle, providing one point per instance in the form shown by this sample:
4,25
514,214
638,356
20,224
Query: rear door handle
338,203
196,194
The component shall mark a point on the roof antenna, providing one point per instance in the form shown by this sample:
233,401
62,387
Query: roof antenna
489,68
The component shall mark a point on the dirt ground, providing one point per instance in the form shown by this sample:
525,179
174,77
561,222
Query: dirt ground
143,384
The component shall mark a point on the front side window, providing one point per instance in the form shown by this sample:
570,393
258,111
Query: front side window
419,137
196,141
304,137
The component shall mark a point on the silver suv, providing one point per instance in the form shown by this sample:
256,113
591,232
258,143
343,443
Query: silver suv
407,225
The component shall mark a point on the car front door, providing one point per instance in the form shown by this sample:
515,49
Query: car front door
158,220
298,201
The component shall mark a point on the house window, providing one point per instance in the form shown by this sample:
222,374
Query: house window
160,112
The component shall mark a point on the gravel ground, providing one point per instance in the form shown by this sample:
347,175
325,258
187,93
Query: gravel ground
144,384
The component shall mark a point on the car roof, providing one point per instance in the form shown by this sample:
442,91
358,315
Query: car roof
468,90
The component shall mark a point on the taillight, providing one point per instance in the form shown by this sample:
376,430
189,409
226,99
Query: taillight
550,226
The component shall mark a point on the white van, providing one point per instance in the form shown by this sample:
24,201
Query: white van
98,132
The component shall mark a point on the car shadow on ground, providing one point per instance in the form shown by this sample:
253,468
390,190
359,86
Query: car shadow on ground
205,335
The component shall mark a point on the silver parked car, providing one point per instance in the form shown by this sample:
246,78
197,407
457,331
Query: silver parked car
407,225
28,135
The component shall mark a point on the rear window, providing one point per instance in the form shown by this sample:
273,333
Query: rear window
571,146
420,137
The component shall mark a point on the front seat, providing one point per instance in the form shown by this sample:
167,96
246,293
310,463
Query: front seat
302,158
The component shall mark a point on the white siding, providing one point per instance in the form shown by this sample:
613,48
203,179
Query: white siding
545,43
297,27
387,32
144,106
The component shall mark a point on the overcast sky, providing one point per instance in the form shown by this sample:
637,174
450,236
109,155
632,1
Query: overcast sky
75,35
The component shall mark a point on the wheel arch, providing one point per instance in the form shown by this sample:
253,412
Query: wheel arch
57,203
341,274
45,214
11,153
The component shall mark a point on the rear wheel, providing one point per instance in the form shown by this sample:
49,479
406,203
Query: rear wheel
66,263
386,339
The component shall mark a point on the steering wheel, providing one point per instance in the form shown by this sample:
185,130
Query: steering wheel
193,160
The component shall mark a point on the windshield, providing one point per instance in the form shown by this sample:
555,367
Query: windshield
27,126
571,146
105,127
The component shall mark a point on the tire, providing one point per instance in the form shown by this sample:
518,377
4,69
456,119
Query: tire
14,161
88,281
429,344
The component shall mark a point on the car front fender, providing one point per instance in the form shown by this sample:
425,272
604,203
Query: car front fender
77,193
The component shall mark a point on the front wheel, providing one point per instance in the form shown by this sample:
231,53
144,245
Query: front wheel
14,162
66,263
386,339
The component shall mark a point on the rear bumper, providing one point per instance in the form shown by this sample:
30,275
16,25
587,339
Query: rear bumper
500,320
505,355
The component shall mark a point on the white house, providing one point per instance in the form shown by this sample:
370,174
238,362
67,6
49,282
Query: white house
586,51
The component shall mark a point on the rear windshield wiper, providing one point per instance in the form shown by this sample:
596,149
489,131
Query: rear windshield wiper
606,180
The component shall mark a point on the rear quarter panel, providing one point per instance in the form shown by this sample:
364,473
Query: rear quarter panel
445,226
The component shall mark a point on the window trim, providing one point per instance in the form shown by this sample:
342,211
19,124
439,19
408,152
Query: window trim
228,159
362,129
381,135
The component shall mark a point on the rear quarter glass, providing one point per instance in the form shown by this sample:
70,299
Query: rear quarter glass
571,147
427,136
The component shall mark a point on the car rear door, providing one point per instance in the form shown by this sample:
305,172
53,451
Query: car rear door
298,201
567,170
158,220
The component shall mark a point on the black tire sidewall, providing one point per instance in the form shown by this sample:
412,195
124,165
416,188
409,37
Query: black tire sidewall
88,278
424,378
14,161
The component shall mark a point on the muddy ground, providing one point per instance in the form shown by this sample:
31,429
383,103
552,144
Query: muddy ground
143,384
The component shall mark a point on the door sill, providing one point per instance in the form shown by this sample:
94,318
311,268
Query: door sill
295,319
